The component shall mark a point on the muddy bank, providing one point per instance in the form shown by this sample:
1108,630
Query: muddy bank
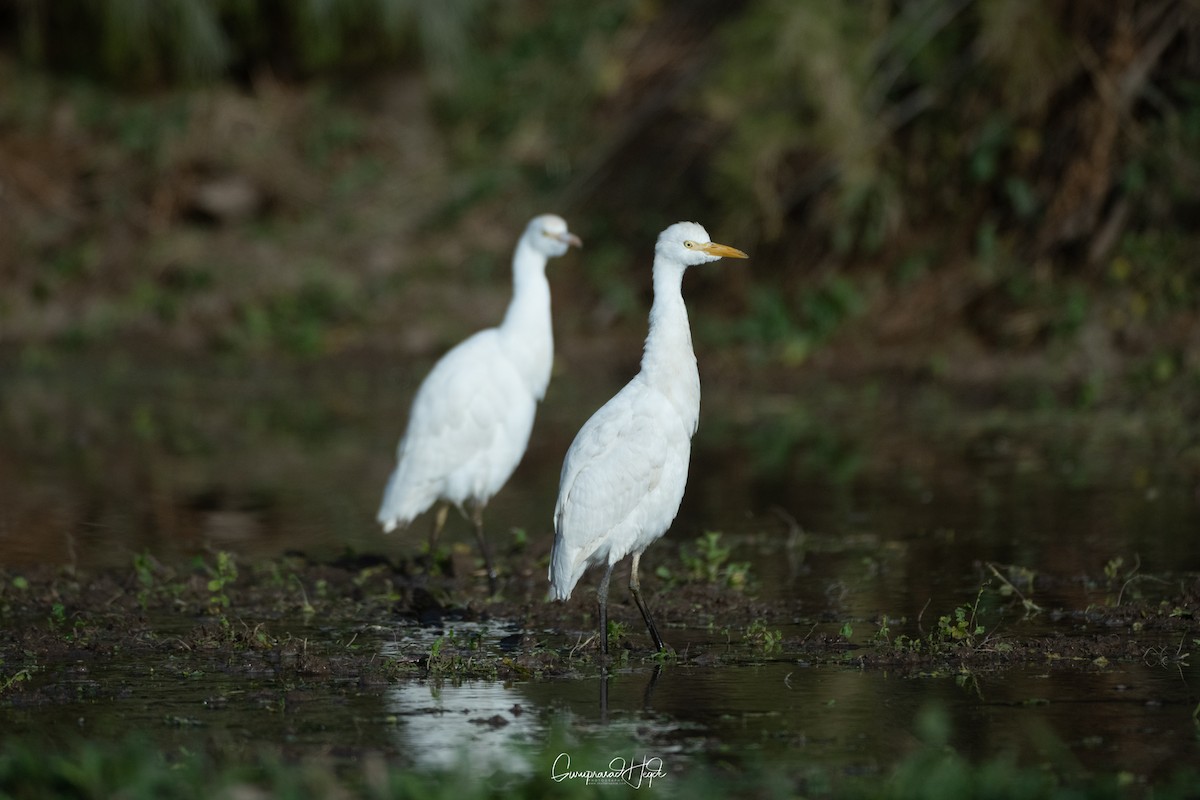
326,623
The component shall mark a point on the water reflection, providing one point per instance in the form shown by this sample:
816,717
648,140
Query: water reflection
479,724
836,721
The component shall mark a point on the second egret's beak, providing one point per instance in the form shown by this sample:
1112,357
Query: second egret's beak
570,239
722,250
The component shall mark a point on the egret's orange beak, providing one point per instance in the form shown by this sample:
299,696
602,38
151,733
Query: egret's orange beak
722,250
570,239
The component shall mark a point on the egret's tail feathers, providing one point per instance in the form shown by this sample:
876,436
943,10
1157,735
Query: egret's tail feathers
560,592
391,523
565,572
401,505
392,520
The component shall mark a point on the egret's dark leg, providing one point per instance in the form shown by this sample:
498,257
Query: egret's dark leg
477,520
635,589
602,602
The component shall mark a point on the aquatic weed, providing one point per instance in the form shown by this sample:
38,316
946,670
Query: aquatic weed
960,626
765,640
17,677
450,655
145,578
959,629
707,559
617,633
221,575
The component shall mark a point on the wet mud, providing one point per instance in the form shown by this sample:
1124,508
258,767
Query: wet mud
364,620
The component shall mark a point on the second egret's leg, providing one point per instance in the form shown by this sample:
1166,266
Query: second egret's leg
439,522
635,589
477,520
602,602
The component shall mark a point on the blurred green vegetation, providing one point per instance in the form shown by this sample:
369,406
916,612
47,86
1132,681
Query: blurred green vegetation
969,182
932,771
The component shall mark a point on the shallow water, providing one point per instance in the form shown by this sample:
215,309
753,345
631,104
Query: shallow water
837,721
101,460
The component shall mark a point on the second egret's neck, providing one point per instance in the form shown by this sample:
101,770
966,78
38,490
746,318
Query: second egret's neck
668,361
526,332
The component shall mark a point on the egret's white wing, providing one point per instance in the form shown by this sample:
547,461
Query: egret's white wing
612,483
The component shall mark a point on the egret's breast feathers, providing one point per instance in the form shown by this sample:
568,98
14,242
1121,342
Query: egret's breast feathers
615,468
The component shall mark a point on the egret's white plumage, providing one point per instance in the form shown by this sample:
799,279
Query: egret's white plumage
624,475
472,416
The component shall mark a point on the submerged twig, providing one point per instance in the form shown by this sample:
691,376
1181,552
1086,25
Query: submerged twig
1029,605
581,643
1137,564
920,627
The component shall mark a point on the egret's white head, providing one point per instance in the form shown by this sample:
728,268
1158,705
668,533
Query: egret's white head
549,236
687,243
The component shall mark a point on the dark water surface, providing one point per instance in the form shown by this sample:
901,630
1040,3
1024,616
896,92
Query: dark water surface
102,459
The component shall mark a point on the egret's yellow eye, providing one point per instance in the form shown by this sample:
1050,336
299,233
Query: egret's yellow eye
689,244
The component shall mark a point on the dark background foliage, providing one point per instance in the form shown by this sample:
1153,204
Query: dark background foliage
992,184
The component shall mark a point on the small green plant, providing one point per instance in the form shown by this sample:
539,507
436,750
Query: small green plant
707,559
437,662
960,627
272,574
520,538
1112,569
884,634
1115,572
66,626
10,681
617,631
450,654
766,640
58,616
144,571
375,581
220,576
846,631
667,656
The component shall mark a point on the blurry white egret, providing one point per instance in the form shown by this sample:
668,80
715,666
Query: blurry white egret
623,477
472,415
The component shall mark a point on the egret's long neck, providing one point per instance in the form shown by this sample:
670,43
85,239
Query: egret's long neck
668,361
526,332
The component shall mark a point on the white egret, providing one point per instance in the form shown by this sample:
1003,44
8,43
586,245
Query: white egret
624,475
472,416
